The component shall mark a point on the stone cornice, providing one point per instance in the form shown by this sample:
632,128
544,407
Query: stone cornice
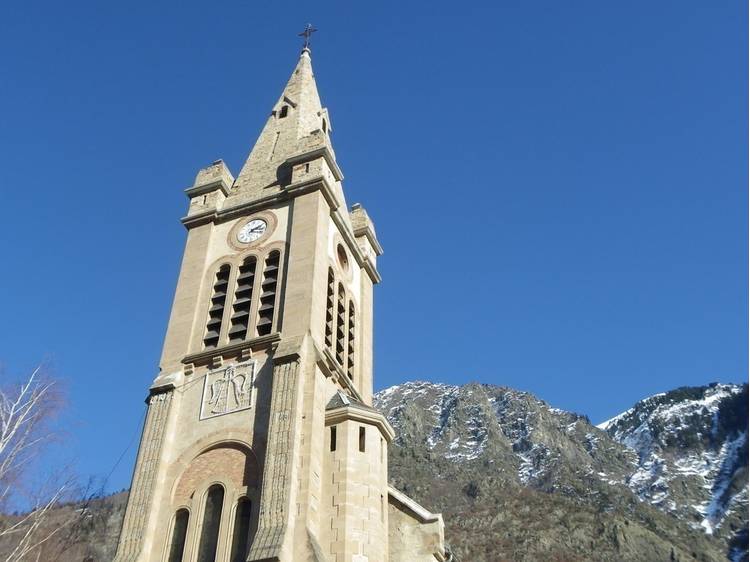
231,350
192,221
323,151
370,235
165,382
371,271
288,350
331,368
194,190
248,207
294,190
348,237
311,185
422,515
371,417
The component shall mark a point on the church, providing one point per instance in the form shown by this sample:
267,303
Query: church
260,441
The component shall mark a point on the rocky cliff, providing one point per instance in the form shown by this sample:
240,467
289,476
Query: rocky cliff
519,480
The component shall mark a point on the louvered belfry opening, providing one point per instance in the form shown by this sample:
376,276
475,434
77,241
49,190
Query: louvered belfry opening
216,310
330,303
341,325
243,300
350,343
268,294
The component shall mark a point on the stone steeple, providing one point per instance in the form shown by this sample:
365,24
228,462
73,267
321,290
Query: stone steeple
260,442
298,125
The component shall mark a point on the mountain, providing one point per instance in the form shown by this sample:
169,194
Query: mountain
519,480
692,455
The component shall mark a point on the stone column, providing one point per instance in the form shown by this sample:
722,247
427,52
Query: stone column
142,491
278,484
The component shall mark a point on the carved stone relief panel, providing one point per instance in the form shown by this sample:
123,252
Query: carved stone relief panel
228,389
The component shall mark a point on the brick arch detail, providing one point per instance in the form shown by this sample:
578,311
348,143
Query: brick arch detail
222,454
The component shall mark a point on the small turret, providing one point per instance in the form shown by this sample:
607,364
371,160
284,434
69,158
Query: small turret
210,188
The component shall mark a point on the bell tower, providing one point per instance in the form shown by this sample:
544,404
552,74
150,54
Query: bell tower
260,441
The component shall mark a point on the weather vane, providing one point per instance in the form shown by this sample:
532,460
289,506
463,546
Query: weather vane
307,33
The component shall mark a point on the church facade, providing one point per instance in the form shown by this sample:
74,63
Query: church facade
260,441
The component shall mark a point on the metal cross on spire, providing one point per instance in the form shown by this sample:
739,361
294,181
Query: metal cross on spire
307,33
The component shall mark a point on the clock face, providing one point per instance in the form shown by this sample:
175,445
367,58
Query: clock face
252,231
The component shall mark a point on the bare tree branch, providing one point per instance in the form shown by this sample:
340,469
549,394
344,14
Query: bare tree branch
25,414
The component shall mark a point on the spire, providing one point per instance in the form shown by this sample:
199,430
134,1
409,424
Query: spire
297,125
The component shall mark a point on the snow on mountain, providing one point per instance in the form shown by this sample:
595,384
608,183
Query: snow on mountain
684,451
514,429
692,452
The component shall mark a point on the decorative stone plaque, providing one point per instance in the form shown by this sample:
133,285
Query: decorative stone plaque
228,390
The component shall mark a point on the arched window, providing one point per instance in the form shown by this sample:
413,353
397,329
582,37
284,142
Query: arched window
268,294
243,299
325,126
241,531
350,343
211,523
284,111
216,310
341,325
329,308
179,532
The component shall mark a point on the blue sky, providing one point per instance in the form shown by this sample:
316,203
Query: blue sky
560,187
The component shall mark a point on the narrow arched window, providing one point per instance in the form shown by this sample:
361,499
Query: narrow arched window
211,524
241,531
329,308
284,112
268,293
350,343
325,126
179,532
243,299
216,310
341,325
